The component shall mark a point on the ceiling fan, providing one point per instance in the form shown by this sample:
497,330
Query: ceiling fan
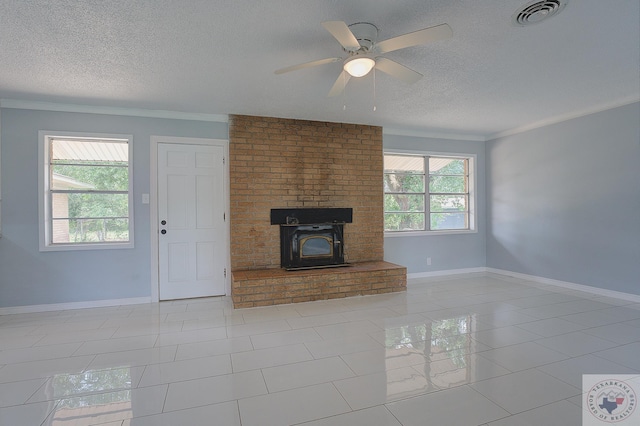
359,41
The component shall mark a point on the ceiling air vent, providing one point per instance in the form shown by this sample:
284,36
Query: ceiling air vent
537,11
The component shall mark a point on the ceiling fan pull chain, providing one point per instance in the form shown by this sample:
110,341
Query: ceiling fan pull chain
374,89
344,91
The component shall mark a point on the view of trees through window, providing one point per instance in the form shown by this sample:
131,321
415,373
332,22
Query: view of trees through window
448,193
89,189
421,187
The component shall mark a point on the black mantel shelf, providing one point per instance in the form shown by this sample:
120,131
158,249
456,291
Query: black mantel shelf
311,215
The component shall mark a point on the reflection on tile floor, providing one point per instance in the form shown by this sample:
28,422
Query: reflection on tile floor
477,349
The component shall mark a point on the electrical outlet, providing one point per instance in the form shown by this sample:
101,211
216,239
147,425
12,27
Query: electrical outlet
428,261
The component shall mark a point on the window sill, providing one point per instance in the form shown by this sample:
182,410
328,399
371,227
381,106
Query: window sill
395,234
81,247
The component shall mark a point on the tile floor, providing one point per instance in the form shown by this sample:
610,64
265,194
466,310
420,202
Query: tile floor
478,349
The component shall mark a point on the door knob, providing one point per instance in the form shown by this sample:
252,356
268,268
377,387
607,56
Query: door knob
164,222
164,231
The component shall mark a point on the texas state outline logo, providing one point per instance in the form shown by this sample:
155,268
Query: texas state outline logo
610,399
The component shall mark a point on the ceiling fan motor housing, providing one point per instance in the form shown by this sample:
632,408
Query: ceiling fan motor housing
366,34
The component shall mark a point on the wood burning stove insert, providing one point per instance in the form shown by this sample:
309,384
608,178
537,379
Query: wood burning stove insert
311,237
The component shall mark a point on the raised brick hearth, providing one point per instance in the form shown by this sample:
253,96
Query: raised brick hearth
263,287
282,163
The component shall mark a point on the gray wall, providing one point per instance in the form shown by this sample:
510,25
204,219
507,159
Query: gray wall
561,202
564,201
453,251
29,277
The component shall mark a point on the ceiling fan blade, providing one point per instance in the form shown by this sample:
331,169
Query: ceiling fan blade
427,35
307,65
397,70
341,32
340,84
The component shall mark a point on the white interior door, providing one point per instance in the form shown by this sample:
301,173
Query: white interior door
191,242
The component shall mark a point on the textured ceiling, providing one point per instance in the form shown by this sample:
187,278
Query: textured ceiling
219,57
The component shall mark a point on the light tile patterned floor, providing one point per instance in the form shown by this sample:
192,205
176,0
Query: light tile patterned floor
478,349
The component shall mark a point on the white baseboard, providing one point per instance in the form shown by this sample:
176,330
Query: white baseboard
445,272
73,305
634,298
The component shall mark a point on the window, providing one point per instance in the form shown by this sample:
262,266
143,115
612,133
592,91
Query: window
428,193
86,197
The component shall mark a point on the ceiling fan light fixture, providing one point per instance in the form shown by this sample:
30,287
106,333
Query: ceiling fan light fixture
359,66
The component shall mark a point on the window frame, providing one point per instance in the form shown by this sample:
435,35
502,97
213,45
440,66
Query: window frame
44,198
473,217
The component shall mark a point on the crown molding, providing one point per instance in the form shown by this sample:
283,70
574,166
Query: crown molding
431,134
564,117
130,112
224,118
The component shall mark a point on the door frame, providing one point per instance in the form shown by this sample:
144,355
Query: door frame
153,206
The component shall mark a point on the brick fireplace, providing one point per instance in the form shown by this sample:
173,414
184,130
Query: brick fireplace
280,163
